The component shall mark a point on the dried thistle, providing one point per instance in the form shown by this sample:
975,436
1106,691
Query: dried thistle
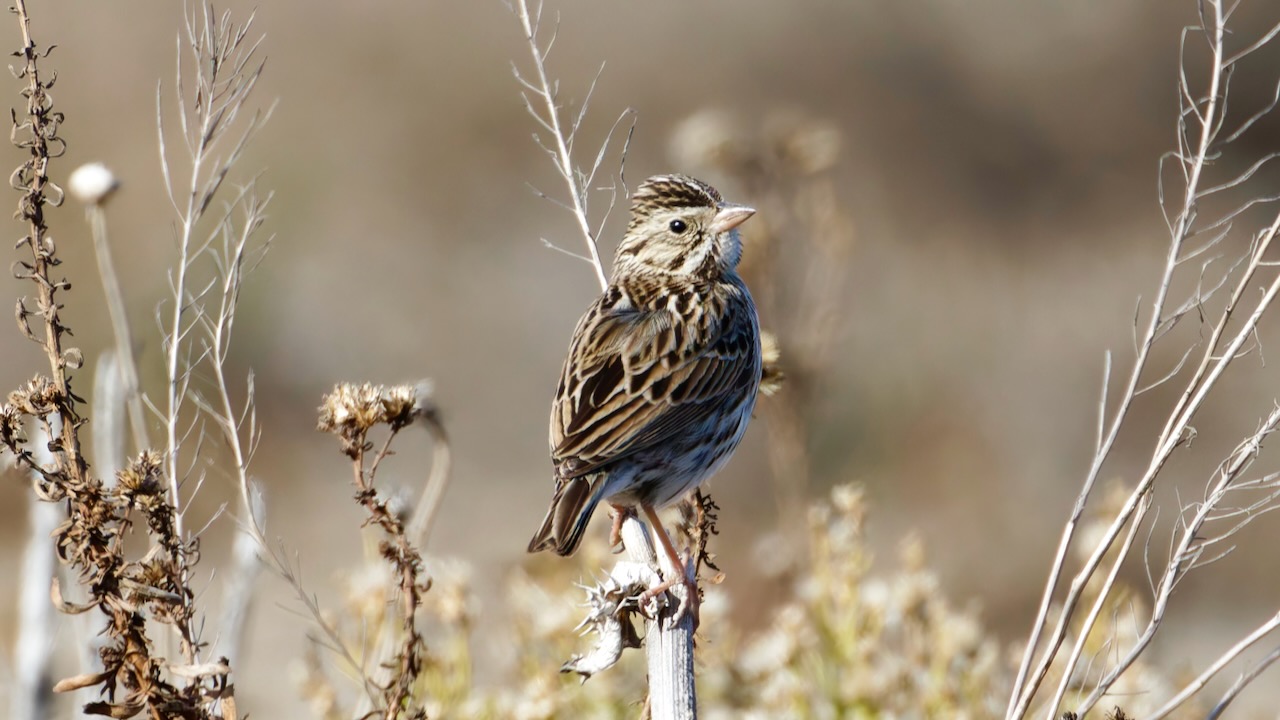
38,398
350,412
12,435
610,605
92,540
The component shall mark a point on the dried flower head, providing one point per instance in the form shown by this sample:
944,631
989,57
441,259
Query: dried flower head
38,397
11,433
772,377
609,606
144,477
399,404
351,410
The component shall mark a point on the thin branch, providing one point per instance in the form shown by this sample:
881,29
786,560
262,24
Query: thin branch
562,156
1194,154
1214,668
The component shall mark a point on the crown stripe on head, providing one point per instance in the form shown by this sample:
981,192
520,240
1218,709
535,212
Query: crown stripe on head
668,191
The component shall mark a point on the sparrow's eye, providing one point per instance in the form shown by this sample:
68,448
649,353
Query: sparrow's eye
678,227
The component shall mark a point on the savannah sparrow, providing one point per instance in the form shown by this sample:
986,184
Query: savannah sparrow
663,369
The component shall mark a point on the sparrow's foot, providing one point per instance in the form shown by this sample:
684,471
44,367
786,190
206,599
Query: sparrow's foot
685,576
689,600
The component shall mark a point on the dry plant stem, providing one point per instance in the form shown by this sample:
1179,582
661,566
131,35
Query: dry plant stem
1241,683
120,326
224,78
562,156
1189,549
241,431
219,331
92,540
668,647
1199,683
1099,606
1189,546
33,178
424,514
1204,381
419,527
108,417
1027,683
407,563
240,579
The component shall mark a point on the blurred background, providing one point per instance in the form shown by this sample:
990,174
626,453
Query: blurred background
991,171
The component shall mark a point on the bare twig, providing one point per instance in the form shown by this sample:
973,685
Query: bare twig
1231,335
1216,666
548,117
226,72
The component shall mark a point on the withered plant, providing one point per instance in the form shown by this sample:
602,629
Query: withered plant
351,413
135,593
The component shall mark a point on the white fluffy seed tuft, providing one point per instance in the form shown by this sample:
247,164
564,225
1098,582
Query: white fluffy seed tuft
92,183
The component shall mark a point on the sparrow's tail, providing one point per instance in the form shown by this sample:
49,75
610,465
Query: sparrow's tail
571,508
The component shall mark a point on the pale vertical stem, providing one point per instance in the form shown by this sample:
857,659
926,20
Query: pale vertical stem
433,492
668,648
128,368
246,565
176,331
107,418
33,649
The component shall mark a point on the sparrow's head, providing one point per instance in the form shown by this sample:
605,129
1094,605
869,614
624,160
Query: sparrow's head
680,226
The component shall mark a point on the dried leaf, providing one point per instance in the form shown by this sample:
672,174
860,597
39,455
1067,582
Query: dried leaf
69,608
77,682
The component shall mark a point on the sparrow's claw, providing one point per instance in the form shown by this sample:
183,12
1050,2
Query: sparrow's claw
689,602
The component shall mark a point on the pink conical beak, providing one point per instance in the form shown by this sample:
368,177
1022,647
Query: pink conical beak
730,216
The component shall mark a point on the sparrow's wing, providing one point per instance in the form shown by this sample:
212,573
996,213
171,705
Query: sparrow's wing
635,379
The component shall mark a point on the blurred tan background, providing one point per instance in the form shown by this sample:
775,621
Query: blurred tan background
998,160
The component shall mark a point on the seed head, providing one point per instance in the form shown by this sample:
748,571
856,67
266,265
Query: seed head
92,183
